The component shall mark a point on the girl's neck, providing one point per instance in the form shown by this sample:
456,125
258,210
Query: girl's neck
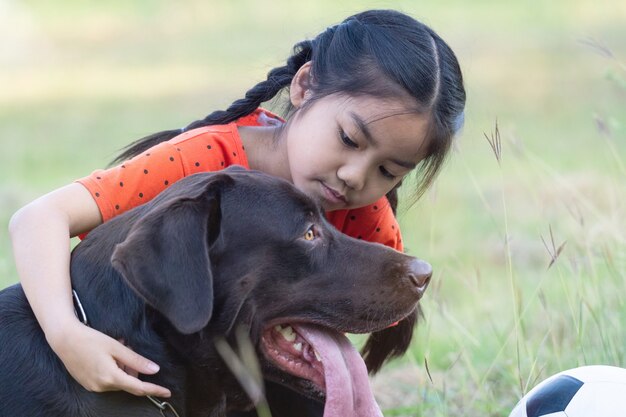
265,150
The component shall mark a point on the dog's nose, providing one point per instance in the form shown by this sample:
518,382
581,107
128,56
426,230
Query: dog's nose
420,273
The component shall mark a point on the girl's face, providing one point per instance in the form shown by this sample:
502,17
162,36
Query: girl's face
348,152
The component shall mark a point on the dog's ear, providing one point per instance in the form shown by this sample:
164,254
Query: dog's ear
165,257
390,342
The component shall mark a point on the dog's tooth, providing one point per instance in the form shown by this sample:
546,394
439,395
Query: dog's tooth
317,356
288,334
298,346
278,328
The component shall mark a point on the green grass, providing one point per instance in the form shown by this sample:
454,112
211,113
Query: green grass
80,81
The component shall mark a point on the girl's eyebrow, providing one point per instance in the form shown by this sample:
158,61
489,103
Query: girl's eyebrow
370,139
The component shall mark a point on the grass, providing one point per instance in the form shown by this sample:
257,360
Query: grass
529,247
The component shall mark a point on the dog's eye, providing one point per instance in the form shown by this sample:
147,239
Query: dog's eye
310,234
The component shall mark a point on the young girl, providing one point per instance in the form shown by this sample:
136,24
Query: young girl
371,99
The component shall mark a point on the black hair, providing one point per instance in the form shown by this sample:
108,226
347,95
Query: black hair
379,53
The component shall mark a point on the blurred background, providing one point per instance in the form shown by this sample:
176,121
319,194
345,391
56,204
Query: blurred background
528,243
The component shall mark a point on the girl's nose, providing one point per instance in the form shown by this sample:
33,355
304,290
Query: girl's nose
353,176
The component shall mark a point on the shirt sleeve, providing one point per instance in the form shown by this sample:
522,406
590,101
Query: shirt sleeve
135,181
373,223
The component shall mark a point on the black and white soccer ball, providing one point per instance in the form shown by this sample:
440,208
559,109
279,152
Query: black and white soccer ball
588,391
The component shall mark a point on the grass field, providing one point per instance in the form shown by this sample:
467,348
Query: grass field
528,246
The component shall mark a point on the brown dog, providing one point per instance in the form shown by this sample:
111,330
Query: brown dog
214,252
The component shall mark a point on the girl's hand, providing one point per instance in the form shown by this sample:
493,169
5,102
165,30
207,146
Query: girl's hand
40,233
100,363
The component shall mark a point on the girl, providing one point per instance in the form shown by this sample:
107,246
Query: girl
370,100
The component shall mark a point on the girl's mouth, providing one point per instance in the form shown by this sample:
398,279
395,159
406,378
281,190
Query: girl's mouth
333,196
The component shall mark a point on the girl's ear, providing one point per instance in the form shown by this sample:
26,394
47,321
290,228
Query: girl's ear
300,89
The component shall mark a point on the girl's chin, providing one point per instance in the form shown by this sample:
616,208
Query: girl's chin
327,206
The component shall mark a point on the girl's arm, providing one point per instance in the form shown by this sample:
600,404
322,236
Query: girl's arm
40,233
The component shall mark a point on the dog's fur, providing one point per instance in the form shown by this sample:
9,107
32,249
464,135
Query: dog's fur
213,252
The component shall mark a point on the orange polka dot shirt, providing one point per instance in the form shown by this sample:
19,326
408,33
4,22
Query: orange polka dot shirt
213,148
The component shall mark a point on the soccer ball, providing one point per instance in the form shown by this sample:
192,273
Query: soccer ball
588,391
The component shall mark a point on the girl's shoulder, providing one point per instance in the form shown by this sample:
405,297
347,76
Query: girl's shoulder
221,144
209,148
260,117
373,223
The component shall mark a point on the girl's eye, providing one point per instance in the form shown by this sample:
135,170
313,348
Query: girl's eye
387,174
309,235
346,140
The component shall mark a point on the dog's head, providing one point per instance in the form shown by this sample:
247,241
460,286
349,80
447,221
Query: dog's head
220,250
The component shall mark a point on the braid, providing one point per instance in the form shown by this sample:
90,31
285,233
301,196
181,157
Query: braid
277,79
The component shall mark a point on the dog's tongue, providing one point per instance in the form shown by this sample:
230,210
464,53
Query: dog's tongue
348,392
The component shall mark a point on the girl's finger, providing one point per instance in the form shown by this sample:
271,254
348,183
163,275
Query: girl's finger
127,358
137,387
